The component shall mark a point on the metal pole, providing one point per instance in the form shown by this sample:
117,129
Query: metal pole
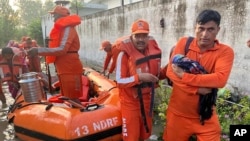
122,2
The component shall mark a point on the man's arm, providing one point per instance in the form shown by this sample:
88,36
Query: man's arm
106,62
179,49
122,70
115,53
216,79
67,39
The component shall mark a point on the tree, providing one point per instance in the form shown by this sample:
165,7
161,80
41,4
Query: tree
75,5
25,20
48,6
8,22
31,12
35,31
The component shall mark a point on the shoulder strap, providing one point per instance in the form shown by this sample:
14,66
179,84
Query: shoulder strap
189,40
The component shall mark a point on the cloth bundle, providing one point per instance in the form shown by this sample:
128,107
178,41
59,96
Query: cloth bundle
207,101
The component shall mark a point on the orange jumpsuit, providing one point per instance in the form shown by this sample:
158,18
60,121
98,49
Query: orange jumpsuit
11,68
63,51
113,55
127,78
34,61
182,113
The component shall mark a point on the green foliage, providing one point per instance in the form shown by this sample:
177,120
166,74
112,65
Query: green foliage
229,113
75,6
29,10
163,96
35,31
8,22
48,6
25,20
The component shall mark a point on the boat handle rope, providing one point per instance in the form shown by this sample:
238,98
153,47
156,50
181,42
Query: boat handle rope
15,102
20,106
111,88
15,106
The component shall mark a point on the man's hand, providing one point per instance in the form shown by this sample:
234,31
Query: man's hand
204,91
147,77
107,74
33,52
177,70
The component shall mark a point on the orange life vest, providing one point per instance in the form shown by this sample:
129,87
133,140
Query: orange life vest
57,32
139,63
118,41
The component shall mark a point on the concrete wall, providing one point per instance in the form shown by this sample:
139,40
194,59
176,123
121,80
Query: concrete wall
179,18
112,3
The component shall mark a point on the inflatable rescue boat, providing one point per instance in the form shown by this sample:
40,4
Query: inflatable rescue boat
57,118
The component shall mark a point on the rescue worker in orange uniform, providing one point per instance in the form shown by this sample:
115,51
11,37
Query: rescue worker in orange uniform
217,58
137,71
107,47
22,42
112,51
63,52
28,43
33,62
11,66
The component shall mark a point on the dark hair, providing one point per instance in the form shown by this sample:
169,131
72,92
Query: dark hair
7,50
208,15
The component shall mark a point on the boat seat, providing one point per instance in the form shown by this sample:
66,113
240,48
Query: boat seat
83,98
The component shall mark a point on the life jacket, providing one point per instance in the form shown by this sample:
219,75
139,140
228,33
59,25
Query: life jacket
57,32
10,71
118,41
140,63
34,61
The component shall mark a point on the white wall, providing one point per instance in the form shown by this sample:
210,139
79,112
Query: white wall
112,3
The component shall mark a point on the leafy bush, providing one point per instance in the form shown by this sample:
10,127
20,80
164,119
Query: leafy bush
230,113
162,99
